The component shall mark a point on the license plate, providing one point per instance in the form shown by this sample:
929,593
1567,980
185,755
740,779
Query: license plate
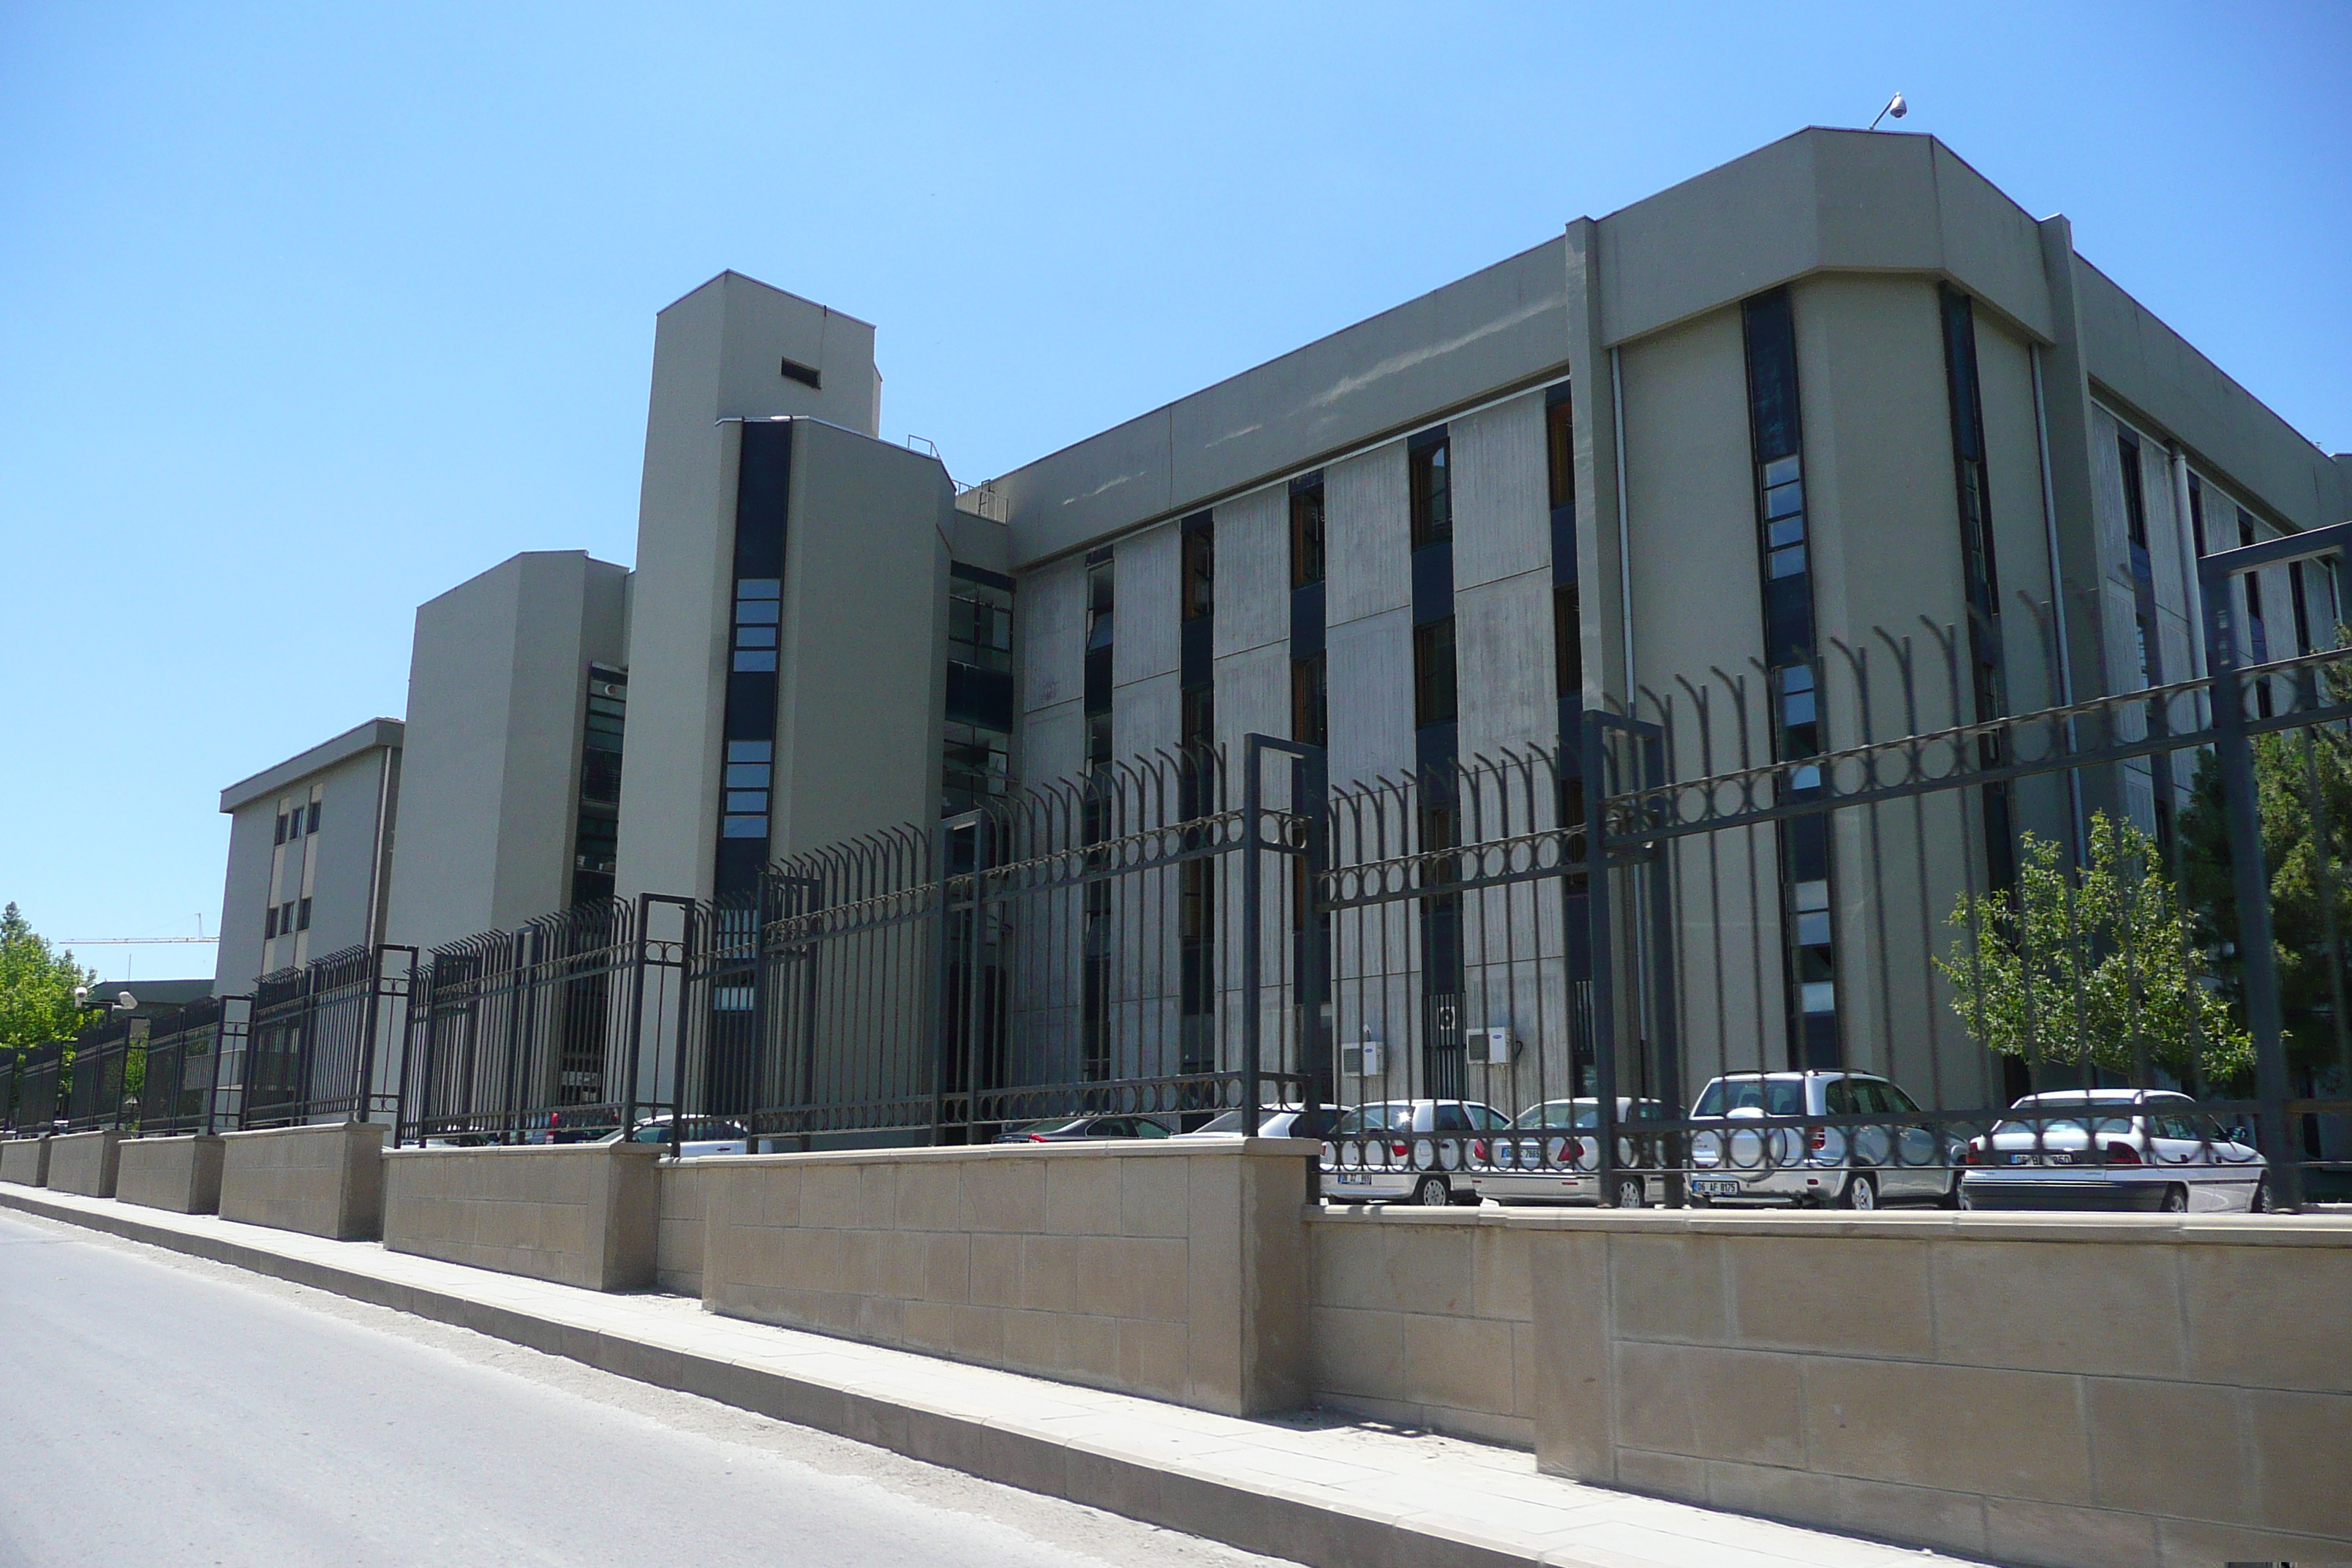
1716,1189
1348,1180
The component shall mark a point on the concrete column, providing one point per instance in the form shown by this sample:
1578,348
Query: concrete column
1599,566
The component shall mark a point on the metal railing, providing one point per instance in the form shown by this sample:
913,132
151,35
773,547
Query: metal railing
312,1049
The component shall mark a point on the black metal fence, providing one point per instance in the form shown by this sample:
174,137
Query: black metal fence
539,1034
108,1063
1804,932
312,1048
1768,968
194,1053
41,1088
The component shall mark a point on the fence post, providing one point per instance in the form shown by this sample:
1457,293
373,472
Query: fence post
1252,884
1312,800
1603,960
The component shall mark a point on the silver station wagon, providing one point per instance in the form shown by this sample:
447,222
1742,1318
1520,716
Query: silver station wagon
2112,1149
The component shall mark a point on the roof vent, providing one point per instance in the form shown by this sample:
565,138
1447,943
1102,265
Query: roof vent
805,374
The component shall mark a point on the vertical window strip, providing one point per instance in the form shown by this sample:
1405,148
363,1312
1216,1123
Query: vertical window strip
1980,569
1776,441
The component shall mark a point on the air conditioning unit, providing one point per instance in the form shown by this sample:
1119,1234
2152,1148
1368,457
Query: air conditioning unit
1492,1047
1360,1058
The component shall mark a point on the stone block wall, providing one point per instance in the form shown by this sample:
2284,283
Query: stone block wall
24,1160
2075,1391
684,1201
1167,1270
578,1214
321,1181
183,1174
1425,1317
85,1163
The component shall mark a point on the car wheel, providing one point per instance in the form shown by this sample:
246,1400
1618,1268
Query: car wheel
1432,1192
2176,1199
1630,1194
1861,1193
1951,1198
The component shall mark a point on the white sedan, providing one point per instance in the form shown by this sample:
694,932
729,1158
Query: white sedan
2115,1149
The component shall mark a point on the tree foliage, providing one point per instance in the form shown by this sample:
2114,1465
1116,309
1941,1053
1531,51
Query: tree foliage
2303,791
37,985
2096,966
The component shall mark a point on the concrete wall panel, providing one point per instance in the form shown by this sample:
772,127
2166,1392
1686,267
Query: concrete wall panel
321,1181
182,1174
581,1214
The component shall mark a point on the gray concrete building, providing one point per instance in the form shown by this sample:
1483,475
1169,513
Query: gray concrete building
1724,434
310,855
517,693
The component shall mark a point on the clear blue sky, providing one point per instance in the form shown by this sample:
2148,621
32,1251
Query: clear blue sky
308,314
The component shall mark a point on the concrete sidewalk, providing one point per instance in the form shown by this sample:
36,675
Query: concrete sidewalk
1318,1489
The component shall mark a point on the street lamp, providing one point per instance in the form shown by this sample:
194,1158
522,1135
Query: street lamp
1895,109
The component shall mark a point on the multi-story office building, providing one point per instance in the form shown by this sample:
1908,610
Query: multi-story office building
310,855
1700,451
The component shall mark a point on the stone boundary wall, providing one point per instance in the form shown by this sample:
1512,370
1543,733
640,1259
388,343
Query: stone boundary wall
85,1163
326,1180
578,1214
24,1160
684,1203
1425,1318
1175,1270
2070,1390
183,1174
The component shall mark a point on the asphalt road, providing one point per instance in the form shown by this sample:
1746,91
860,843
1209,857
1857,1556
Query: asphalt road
158,1411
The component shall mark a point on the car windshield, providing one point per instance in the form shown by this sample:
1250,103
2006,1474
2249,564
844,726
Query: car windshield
1772,1097
1231,1121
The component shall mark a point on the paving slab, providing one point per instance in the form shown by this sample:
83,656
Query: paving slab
1330,1491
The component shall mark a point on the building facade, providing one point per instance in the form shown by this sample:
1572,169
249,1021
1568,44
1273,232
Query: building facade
1839,410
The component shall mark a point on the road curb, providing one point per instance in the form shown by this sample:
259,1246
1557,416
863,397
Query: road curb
1265,1519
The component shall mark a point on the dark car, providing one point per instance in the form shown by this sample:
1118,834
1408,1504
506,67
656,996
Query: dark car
1071,1130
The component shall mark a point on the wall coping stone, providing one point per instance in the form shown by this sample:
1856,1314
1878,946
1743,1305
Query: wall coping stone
1092,1149
2233,1230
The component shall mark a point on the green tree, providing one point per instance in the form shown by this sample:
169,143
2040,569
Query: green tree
2302,792
2093,966
37,985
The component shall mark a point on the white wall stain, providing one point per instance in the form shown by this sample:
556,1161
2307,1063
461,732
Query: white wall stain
1389,366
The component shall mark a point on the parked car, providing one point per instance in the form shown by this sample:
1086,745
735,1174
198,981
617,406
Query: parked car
1392,1151
1275,1122
700,1135
2125,1149
1550,1163
586,1124
1074,1129
1904,1160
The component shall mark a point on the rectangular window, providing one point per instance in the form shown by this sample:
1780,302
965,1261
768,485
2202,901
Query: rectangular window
312,825
2197,512
2135,501
1567,641
302,916
269,923
1200,573
1098,740
1433,672
1432,495
281,828
1099,603
1310,712
806,374
1560,451
1306,536
758,612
